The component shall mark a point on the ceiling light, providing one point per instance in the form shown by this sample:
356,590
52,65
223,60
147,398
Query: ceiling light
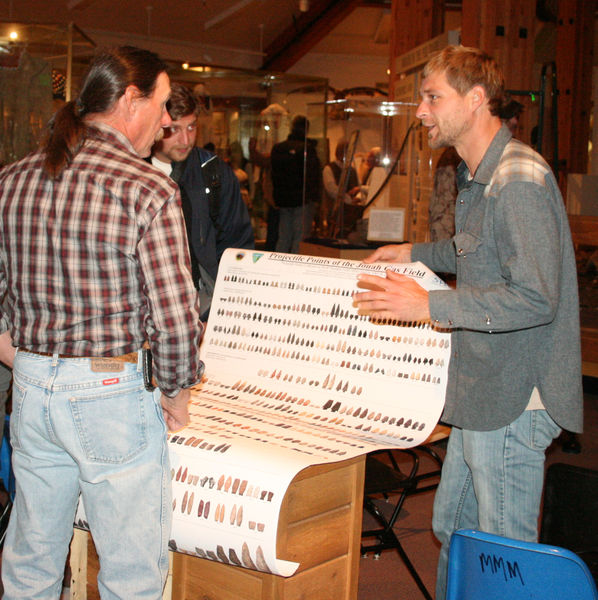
303,5
13,35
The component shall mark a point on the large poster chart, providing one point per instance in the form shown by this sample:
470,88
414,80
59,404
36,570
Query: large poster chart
294,377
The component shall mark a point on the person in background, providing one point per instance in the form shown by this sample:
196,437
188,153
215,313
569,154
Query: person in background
271,127
215,215
332,173
331,178
260,162
515,370
290,182
95,268
441,211
372,159
510,113
238,164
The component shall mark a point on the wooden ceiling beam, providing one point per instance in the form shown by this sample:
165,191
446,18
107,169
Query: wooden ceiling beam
306,31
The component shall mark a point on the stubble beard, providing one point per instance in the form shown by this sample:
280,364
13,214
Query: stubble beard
179,155
449,135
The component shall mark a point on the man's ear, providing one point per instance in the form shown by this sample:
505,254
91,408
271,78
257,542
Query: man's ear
477,96
130,99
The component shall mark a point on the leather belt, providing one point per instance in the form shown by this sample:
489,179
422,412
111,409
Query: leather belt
131,357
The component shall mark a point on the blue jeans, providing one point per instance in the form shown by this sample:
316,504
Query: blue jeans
294,225
75,430
492,480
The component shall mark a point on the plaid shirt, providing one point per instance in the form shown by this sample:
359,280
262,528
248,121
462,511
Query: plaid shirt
95,263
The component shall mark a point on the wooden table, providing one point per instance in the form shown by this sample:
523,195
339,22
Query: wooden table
319,527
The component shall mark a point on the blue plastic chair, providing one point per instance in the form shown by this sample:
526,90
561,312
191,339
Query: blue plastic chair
483,566
5,459
7,477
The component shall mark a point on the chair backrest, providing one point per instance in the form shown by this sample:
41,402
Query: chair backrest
483,566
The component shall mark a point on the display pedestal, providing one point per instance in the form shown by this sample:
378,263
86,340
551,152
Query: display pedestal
319,527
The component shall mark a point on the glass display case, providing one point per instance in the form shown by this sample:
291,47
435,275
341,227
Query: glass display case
34,59
243,114
377,173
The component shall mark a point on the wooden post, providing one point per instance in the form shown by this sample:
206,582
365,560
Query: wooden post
574,59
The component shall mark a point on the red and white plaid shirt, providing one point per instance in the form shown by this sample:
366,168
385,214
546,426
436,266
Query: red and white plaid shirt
96,263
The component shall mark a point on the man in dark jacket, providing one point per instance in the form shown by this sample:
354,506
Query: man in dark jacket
215,214
290,160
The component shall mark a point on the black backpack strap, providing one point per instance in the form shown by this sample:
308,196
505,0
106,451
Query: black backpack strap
211,173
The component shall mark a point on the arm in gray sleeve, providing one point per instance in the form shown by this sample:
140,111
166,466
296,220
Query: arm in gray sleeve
512,280
438,256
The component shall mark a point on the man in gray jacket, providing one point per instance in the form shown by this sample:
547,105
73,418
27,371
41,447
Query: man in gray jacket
515,370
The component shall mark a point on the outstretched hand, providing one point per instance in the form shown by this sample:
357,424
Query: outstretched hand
392,297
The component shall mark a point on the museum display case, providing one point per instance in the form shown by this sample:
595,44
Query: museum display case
244,113
32,56
383,146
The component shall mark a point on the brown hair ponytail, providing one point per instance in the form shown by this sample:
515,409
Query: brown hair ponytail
65,137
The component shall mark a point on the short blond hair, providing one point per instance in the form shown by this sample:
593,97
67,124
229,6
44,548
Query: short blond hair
466,67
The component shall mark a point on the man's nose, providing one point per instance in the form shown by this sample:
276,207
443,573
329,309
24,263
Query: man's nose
421,110
186,137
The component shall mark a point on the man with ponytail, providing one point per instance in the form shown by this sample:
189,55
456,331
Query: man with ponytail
95,272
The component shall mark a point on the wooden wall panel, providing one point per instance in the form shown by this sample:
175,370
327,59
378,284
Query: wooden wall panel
574,60
471,22
506,29
413,23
